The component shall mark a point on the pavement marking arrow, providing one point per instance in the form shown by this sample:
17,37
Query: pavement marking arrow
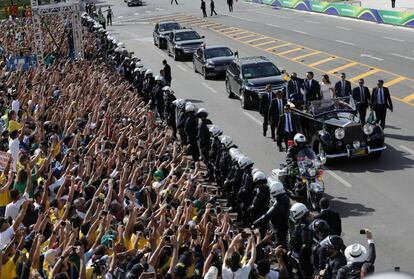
372,57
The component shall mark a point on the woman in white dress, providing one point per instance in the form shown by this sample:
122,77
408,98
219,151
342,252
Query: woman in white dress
327,90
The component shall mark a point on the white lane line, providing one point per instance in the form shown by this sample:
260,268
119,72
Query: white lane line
252,118
343,28
120,17
310,21
182,68
403,56
345,42
394,39
340,179
299,31
148,11
242,18
136,13
209,88
407,149
277,26
372,57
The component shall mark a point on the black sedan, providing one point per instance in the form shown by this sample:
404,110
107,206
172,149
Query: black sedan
131,3
162,31
212,60
334,130
183,43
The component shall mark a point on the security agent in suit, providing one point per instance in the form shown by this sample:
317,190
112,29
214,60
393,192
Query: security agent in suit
380,101
275,110
343,87
294,87
312,88
331,217
264,106
287,127
362,97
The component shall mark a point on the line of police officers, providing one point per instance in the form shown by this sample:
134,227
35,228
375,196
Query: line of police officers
315,251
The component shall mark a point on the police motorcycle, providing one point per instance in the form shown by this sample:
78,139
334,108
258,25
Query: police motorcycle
303,179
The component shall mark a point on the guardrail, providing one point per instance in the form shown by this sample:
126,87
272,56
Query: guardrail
405,19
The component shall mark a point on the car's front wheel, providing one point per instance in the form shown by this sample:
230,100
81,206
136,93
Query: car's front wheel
243,101
175,56
204,73
228,89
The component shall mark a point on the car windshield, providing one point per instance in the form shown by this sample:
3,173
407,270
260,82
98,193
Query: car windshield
306,154
260,70
218,52
169,26
337,107
186,36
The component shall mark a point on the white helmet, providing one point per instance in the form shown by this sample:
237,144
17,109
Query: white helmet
136,70
202,111
298,211
180,103
118,49
259,177
299,138
166,88
356,253
245,162
120,44
226,141
158,78
234,153
276,188
147,72
215,130
190,108
139,64
254,170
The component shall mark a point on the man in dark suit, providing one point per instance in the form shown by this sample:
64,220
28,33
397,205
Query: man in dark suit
275,110
343,87
312,88
362,99
167,72
331,217
265,101
287,127
380,101
294,87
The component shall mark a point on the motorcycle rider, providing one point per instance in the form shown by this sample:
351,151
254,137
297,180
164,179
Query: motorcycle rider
299,141
260,203
245,194
278,213
320,230
157,97
147,86
301,239
204,142
191,130
169,111
215,150
333,247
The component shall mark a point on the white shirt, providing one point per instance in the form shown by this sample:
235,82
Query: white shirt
15,105
288,120
6,237
13,208
55,185
326,91
241,273
14,148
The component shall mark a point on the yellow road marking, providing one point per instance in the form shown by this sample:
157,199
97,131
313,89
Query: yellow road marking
366,74
228,28
261,44
278,46
235,31
210,25
200,23
394,81
289,51
239,33
409,98
254,40
333,71
229,31
243,37
322,61
161,18
191,19
305,55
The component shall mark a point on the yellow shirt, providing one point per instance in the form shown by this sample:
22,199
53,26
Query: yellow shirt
9,269
14,126
4,196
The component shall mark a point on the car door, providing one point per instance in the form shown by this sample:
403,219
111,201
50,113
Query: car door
155,34
171,42
237,82
230,75
198,59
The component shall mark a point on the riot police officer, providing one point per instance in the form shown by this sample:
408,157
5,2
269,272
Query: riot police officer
204,142
191,130
180,117
233,181
333,246
169,110
147,86
320,230
260,203
157,97
215,150
245,194
224,160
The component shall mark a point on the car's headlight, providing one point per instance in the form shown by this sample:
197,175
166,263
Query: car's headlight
312,172
210,65
178,46
339,133
368,129
249,88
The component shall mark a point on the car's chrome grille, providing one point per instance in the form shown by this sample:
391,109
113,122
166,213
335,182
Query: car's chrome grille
262,89
353,132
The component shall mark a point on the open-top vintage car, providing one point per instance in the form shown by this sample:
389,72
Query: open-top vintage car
333,129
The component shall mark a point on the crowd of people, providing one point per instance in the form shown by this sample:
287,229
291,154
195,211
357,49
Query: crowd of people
106,174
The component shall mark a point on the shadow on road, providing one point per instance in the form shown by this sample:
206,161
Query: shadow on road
391,159
400,137
349,209
195,101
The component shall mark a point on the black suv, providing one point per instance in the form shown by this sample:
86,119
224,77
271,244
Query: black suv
247,78
162,31
183,43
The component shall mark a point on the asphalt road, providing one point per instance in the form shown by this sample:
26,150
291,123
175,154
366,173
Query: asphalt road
368,194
